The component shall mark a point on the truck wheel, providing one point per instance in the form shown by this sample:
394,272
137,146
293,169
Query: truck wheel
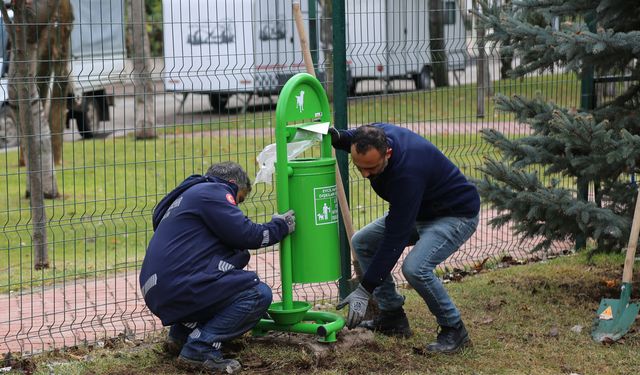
423,79
8,128
89,124
218,101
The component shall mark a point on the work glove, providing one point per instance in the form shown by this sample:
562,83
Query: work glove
289,218
357,301
335,136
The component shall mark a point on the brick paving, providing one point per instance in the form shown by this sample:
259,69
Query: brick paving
89,310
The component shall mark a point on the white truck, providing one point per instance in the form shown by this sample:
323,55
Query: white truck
97,62
389,39
224,47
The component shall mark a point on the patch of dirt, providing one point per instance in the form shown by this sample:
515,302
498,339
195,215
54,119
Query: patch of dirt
601,283
316,355
17,363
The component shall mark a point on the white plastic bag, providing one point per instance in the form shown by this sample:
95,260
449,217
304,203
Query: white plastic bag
267,157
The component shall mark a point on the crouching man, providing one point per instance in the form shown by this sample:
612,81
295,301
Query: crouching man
431,205
192,276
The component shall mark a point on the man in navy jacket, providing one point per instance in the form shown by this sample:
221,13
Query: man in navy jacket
431,204
192,276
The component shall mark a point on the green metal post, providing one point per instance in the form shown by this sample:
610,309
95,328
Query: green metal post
340,122
587,103
283,206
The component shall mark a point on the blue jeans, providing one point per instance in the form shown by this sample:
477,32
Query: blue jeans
204,339
439,239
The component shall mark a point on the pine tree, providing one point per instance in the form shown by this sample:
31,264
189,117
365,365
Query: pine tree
599,146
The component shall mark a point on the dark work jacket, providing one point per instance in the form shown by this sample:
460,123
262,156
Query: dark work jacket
195,258
420,183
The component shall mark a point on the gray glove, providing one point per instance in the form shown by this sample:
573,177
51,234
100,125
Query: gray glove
357,301
289,217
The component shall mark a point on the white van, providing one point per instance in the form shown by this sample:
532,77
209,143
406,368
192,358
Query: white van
223,47
390,40
98,56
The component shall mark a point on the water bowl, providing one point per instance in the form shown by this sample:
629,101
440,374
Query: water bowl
291,316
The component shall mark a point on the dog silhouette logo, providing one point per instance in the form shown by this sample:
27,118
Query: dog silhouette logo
300,101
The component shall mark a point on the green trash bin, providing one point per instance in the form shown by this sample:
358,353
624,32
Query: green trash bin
308,186
315,244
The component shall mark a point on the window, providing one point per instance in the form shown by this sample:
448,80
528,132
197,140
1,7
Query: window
449,12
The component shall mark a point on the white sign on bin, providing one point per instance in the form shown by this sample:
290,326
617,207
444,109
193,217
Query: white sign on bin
325,205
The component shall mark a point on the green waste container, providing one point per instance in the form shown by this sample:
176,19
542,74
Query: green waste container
315,244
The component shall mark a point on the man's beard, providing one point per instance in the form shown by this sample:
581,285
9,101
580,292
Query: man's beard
373,177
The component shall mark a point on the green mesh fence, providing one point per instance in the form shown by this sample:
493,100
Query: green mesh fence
130,117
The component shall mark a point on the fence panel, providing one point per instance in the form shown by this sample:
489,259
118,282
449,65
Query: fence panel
216,67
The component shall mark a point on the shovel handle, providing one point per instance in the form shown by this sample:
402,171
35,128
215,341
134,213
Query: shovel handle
304,43
633,243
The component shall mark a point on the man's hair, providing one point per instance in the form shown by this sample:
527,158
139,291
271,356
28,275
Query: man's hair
228,171
367,137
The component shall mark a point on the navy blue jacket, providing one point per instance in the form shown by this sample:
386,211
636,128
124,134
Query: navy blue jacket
195,258
420,184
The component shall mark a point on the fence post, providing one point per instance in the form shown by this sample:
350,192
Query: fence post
313,32
340,122
587,103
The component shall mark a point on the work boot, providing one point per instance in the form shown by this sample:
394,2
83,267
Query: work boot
172,347
176,339
389,323
450,340
212,363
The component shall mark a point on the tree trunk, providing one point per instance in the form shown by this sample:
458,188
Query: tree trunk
54,54
25,32
142,85
436,35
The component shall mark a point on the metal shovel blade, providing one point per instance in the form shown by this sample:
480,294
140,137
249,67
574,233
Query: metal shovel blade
615,317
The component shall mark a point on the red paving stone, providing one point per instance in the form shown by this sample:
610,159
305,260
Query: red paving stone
90,310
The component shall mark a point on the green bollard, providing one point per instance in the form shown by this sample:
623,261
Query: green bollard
312,253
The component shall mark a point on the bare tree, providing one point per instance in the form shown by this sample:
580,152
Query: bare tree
54,53
142,84
436,35
30,19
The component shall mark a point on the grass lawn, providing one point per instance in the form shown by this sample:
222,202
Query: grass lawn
531,319
459,103
444,104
